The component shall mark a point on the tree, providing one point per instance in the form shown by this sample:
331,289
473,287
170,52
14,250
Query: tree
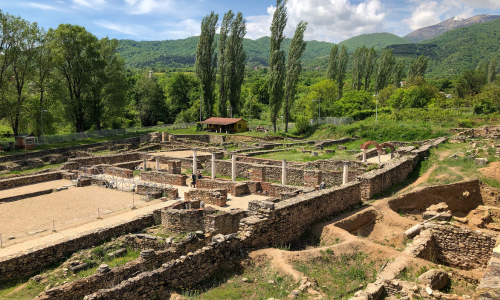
398,73
182,90
206,62
469,83
342,69
294,67
417,67
277,60
371,60
222,63
333,63
21,54
236,59
150,100
76,53
488,101
8,29
358,67
385,65
492,70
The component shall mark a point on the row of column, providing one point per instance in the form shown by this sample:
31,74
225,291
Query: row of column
379,152
345,178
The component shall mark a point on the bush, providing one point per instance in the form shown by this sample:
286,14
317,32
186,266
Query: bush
199,126
302,124
465,123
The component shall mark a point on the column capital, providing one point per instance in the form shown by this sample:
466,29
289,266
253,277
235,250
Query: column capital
194,149
346,162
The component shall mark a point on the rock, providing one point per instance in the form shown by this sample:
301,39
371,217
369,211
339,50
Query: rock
79,267
430,214
441,207
37,278
48,287
190,236
428,290
481,161
147,253
219,238
117,252
271,282
199,233
244,279
436,279
103,268
341,147
329,151
314,153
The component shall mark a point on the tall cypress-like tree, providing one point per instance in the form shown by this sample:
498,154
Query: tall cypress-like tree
398,73
417,67
358,67
277,67
206,62
492,70
385,66
371,60
294,67
333,63
236,58
342,69
222,63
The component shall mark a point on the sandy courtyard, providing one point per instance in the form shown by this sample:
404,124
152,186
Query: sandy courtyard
69,208
42,186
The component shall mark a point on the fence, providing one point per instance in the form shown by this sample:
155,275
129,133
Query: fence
332,120
59,138
279,127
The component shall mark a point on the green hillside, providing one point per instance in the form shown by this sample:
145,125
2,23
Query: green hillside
377,40
181,53
456,50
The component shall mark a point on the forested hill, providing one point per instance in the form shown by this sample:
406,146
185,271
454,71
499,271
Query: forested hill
181,53
456,50
377,40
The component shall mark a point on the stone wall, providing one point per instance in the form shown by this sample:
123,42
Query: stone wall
25,196
185,220
460,197
214,197
102,159
489,287
165,178
110,170
205,138
330,164
326,143
37,154
25,263
25,180
461,247
224,222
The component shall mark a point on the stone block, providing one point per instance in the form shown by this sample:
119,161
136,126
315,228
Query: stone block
436,279
481,161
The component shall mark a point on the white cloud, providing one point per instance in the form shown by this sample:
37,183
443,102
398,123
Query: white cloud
139,7
45,7
329,20
95,4
483,3
432,12
127,29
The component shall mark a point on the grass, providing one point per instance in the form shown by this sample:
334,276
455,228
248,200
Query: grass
340,276
33,170
297,156
228,285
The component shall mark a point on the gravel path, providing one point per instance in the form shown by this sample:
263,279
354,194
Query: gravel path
34,188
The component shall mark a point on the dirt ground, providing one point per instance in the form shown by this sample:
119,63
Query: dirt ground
68,208
34,188
492,171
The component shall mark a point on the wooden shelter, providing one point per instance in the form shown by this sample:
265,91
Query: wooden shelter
25,141
225,124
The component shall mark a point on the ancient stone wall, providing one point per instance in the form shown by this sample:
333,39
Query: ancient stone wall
215,197
205,138
165,178
330,164
224,222
37,154
461,247
237,188
460,197
26,263
185,220
25,180
25,196
102,159
265,161
326,143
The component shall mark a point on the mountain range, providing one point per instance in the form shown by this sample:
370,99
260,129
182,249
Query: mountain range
451,52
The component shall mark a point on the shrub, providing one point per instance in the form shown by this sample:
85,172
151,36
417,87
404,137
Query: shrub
302,124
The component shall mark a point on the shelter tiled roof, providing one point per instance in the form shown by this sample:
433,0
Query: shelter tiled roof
220,121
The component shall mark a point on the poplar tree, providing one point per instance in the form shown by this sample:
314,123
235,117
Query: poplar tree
385,66
492,70
417,67
358,67
342,69
235,61
294,67
206,62
371,60
333,63
398,73
222,63
277,68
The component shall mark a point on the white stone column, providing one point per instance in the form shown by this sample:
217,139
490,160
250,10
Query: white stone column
364,155
214,169
145,164
283,172
345,177
233,166
195,162
378,155
157,164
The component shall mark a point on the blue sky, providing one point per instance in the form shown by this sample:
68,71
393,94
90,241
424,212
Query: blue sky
329,20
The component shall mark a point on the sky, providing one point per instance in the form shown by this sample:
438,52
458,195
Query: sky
329,20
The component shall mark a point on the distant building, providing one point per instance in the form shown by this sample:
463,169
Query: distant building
225,124
25,141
